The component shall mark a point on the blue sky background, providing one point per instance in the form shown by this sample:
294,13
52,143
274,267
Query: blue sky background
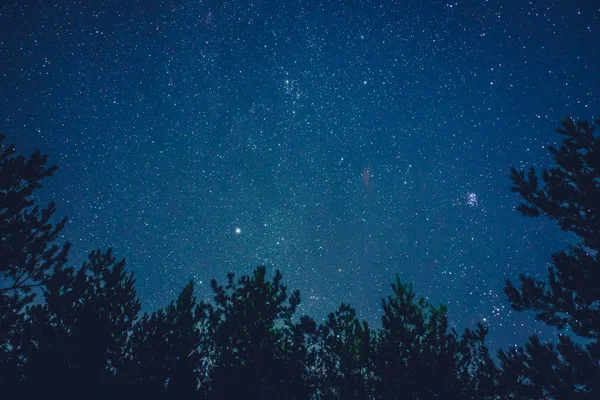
348,141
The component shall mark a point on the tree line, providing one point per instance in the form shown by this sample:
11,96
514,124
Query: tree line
67,331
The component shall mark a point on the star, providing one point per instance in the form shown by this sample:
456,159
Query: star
472,199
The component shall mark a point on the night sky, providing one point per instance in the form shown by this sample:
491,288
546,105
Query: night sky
339,141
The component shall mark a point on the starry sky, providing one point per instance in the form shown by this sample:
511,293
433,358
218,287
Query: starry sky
339,141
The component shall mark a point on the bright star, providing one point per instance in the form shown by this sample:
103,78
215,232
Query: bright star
238,231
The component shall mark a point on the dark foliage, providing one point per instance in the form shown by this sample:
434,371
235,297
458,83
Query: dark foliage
27,250
416,356
570,298
343,350
28,253
73,342
167,351
571,196
251,327
564,370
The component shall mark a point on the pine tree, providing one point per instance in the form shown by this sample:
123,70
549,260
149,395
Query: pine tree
255,353
28,249
570,298
417,356
343,356
167,354
73,342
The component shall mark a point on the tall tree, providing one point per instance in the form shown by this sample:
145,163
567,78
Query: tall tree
168,350
417,356
255,354
344,357
570,298
74,340
28,248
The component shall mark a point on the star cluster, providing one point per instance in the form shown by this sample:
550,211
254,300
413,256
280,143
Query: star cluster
341,142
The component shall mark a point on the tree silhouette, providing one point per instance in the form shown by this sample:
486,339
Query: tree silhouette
167,351
548,371
570,195
73,342
416,356
256,355
343,356
28,252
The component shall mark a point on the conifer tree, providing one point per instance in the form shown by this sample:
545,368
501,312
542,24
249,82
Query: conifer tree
255,354
28,248
73,342
570,297
167,353
417,356
343,356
